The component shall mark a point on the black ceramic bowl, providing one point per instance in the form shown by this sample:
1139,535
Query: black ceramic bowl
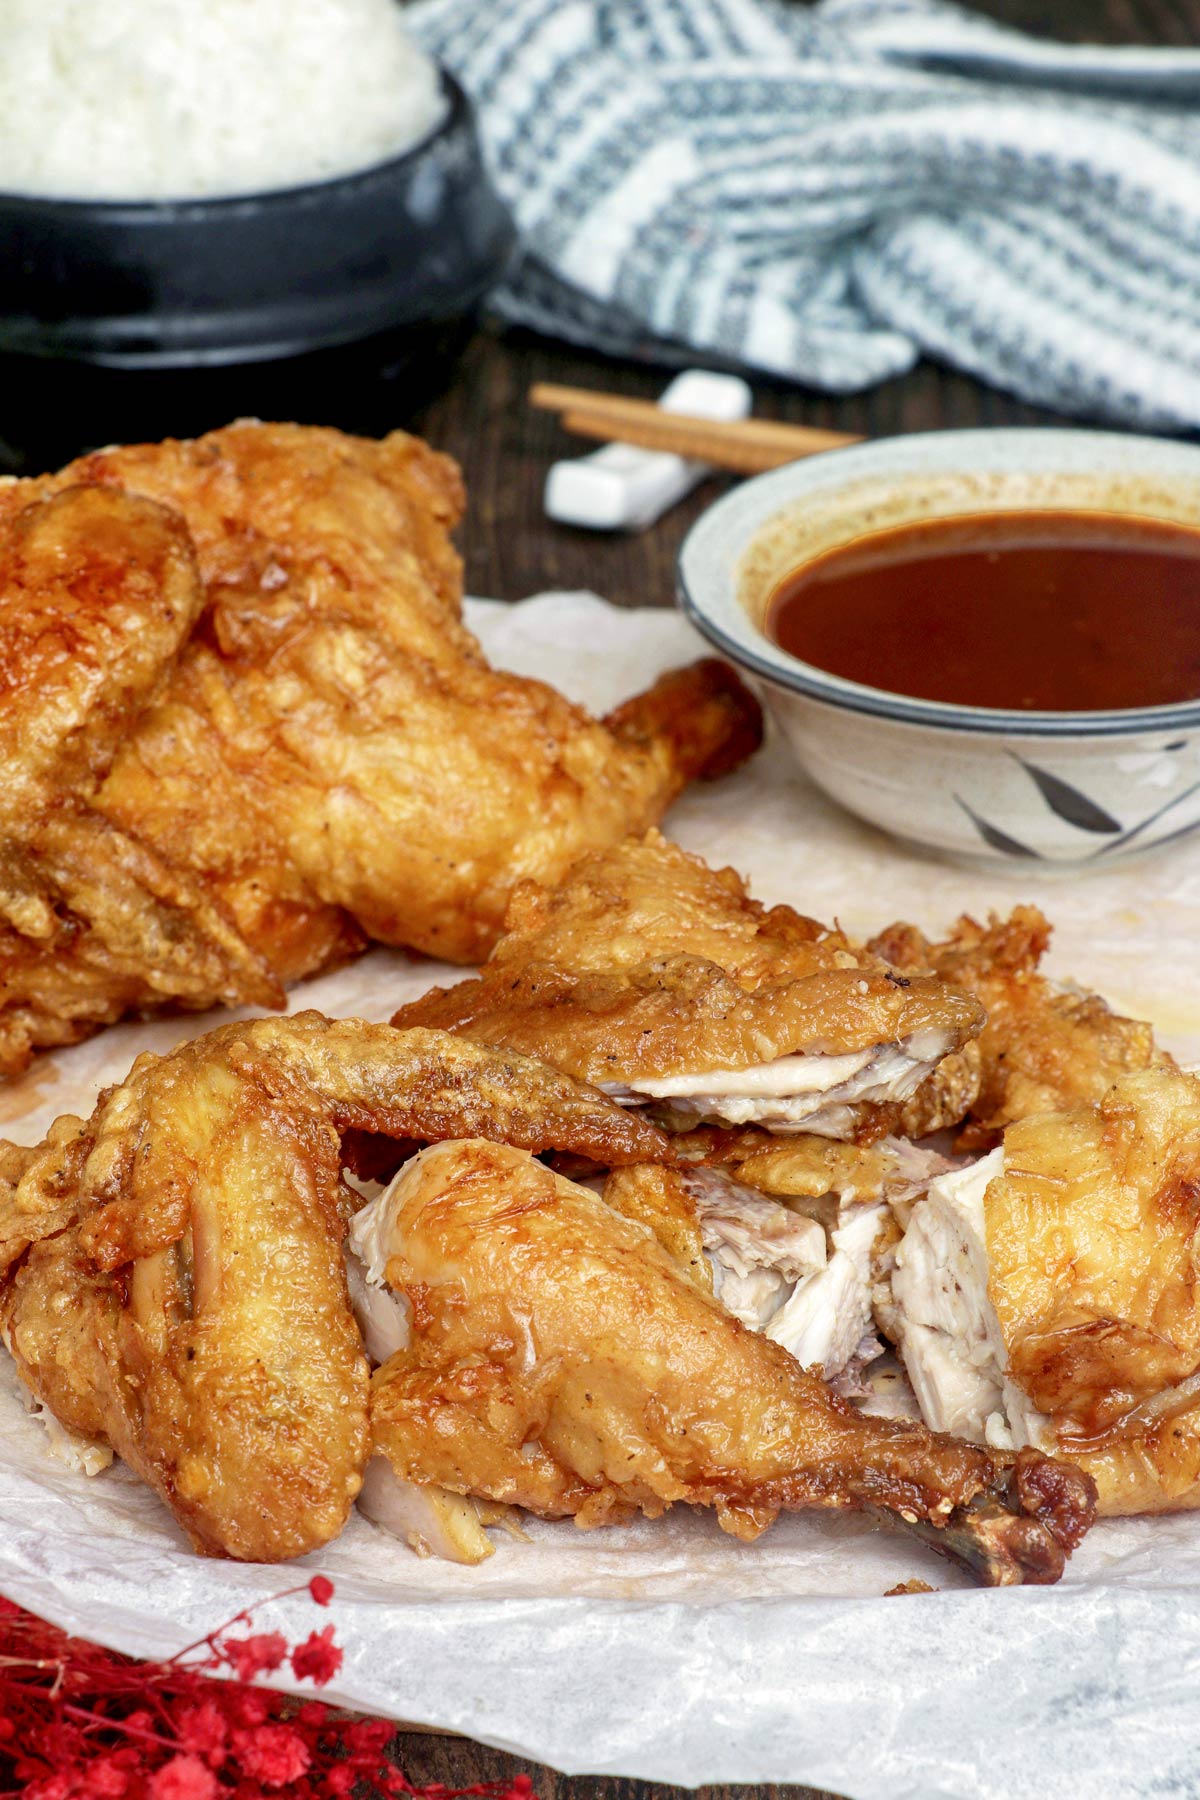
335,303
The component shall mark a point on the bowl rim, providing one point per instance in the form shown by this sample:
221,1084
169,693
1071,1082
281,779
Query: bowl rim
755,502
165,207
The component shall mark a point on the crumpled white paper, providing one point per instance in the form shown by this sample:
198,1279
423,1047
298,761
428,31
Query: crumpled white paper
667,1650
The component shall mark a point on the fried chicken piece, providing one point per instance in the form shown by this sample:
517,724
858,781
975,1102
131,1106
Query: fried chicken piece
661,980
1050,1294
98,592
1043,1046
784,1231
561,1361
176,1285
323,756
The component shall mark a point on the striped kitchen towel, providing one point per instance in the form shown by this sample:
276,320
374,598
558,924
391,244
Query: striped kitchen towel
826,194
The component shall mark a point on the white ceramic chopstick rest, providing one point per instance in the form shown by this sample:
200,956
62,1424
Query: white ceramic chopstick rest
621,488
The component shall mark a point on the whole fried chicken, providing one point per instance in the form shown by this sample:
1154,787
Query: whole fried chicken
247,730
560,1360
663,981
1044,1045
175,1289
1050,1293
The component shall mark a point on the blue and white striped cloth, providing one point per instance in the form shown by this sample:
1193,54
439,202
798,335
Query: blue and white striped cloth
826,194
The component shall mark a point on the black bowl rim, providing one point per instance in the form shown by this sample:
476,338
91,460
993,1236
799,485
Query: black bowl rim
458,112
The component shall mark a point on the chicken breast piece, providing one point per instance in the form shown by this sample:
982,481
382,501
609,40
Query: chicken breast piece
1050,1294
561,1361
662,981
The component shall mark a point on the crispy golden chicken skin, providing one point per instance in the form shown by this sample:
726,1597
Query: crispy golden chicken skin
1093,1232
1042,1046
652,974
176,1284
293,745
98,592
1050,1293
560,1360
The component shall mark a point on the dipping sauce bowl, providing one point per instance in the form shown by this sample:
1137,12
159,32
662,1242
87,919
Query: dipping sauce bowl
1051,791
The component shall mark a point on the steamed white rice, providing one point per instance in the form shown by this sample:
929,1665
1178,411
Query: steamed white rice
162,99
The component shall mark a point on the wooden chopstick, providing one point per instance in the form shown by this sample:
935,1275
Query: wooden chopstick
746,446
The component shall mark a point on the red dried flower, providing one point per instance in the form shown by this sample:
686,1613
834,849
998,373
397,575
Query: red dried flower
273,1754
318,1658
321,1589
202,1728
257,1655
183,1778
78,1722
367,1737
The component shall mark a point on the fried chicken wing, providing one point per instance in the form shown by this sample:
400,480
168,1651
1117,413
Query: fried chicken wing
98,592
1050,1294
560,1360
661,980
176,1287
1043,1046
300,750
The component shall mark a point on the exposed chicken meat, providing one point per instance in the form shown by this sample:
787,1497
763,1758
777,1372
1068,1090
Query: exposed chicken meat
817,1093
663,982
826,1321
562,1361
949,1334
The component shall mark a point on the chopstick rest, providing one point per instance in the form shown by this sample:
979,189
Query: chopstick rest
620,488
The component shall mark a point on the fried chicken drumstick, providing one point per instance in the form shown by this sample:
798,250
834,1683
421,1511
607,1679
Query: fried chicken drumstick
561,1360
245,730
175,1285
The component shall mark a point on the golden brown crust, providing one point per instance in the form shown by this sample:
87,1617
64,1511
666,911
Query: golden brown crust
562,1361
176,1285
1093,1234
646,962
1041,1047
288,743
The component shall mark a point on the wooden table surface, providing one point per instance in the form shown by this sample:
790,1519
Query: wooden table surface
512,550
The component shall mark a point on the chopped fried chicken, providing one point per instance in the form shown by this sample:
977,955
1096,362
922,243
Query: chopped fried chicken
662,981
1050,1294
561,1361
246,730
788,1229
176,1289
1043,1046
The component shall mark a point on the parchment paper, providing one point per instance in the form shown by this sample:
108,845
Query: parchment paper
667,1650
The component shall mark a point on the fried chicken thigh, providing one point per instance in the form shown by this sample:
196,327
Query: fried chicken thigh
175,1285
305,748
1050,1294
561,1360
660,979
1043,1046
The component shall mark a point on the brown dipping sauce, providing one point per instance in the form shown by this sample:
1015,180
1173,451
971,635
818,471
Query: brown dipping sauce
1050,611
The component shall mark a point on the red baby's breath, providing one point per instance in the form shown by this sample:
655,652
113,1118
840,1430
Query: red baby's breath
257,1655
78,1722
317,1659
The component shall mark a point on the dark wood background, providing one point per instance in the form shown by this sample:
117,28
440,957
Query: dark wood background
512,549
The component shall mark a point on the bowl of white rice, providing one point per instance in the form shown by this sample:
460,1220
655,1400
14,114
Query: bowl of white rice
226,207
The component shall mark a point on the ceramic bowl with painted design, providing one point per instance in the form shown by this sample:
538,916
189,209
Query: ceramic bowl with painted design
1049,791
